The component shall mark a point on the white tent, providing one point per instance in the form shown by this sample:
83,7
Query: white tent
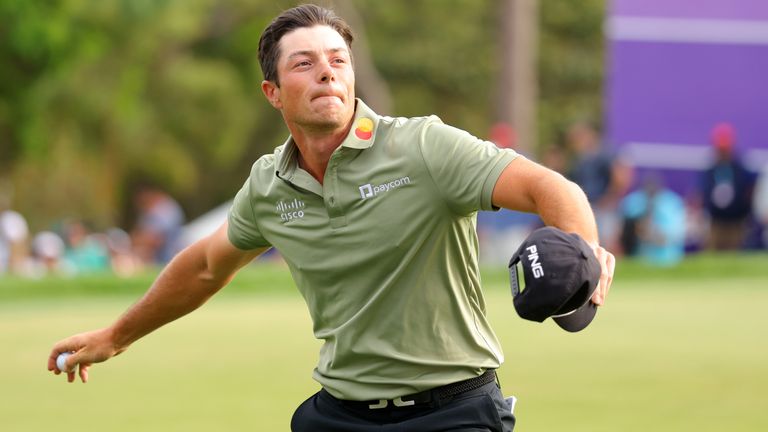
205,224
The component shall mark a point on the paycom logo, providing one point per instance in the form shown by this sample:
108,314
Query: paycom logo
370,191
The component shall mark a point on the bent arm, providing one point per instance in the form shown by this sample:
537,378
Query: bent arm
529,187
188,281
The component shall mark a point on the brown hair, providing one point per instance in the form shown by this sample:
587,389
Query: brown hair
307,15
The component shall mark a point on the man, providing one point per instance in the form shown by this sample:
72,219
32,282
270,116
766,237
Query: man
727,187
654,223
14,238
760,204
375,217
158,228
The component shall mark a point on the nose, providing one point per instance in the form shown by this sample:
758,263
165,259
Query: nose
326,73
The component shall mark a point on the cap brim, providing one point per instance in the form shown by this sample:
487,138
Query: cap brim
579,319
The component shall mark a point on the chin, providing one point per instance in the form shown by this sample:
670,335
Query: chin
332,118
322,123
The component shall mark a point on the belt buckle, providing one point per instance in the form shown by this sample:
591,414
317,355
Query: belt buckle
397,402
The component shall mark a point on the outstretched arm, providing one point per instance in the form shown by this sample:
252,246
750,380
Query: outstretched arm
188,281
529,187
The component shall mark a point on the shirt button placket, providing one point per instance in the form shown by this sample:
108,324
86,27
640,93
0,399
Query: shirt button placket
335,213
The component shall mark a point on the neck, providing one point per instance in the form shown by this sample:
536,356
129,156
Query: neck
315,149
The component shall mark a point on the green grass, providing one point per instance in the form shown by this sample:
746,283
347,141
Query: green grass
673,350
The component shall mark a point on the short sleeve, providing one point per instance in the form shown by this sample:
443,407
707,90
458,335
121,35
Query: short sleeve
464,168
243,231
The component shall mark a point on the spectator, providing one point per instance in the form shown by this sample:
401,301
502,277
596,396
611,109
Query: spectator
156,235
603,178
555,158
503,135
654,223
48,250
85,252
122,259
727,188
14,239
760,204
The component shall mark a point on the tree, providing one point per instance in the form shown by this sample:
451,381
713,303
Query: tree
95,95
571,63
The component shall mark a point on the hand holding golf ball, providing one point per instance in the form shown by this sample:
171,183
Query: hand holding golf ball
86,348
61,361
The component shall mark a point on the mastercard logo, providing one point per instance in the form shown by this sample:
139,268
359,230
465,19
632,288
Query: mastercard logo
364,129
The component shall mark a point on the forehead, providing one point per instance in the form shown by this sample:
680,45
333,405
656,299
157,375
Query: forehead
315,39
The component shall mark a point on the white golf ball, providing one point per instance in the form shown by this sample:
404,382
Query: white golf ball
61,361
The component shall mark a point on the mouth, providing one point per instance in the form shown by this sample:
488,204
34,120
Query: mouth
327,96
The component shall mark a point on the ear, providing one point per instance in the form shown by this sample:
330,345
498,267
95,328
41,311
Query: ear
272,93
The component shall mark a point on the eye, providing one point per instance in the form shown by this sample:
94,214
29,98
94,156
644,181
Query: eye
302,63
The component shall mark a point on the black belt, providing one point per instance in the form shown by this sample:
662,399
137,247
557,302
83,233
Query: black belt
427,396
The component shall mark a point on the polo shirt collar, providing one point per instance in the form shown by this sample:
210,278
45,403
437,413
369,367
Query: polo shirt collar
361,136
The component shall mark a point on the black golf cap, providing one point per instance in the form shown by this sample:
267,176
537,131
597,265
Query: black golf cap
554,274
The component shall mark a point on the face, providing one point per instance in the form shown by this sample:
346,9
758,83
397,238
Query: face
582,138
317,83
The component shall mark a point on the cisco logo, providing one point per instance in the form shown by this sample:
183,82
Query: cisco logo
290,210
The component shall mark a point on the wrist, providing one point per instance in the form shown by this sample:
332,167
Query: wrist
117,340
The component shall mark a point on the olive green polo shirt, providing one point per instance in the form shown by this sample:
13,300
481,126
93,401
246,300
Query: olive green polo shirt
384,252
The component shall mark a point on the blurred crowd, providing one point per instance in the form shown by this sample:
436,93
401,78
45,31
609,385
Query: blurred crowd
637,213
640,215
72,247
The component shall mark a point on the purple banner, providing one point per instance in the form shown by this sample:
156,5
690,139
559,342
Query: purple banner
673,92
716,9
677,68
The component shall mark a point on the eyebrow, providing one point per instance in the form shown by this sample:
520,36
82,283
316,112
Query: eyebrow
310,53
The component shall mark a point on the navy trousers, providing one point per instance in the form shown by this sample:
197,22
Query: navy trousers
480,410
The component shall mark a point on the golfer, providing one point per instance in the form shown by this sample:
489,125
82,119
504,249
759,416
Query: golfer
375,217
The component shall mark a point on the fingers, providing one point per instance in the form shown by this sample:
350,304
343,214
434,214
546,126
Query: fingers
72,371
84,373
52,358
607,275
84,349
608,266
68,367
52,363
69,345
72,347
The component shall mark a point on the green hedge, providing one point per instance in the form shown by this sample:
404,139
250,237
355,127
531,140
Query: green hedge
271,278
